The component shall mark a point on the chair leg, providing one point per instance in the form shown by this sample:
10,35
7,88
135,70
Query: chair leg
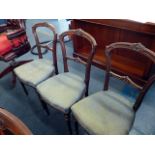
44,105
24,88
68,121
76,127
13,79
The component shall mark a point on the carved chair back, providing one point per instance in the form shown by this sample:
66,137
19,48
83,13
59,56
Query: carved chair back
84,35
47,45
10,124
140,50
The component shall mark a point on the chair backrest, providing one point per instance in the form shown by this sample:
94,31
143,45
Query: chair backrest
46,46
10,124
78,32
133,47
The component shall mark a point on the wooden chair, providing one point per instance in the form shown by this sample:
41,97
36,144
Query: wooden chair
11,125
39,69
63,90
107,112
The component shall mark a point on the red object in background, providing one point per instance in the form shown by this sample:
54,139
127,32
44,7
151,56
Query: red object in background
13,44
8,42
16,42
5,45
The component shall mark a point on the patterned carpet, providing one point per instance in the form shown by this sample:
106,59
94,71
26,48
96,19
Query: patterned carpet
29,109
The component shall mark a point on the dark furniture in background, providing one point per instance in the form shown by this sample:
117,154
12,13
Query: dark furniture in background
10,24
107,31
14,28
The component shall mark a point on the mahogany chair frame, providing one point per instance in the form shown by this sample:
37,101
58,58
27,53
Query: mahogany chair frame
10,124
85,35
45,46
134,47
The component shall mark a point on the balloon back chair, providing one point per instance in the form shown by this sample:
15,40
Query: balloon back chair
40,69
63,90
11,125
107,112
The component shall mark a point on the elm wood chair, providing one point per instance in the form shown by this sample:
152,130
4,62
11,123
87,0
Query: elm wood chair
63,90
39,69
11,125
107,112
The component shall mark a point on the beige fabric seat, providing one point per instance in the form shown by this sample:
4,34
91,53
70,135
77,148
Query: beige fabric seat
35,72
62,91
105,113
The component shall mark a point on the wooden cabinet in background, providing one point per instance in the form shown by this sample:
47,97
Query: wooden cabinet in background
107,31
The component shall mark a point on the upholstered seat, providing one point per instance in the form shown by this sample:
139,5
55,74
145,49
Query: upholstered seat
62,91
104,112
35,72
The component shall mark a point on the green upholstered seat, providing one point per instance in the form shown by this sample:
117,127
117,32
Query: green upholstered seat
105,112
34,72
62,90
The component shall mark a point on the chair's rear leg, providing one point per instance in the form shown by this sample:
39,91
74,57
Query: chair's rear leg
68,121
44,105
24,88
13,79
76,127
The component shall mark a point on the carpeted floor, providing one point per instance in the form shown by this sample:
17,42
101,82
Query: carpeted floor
30,111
